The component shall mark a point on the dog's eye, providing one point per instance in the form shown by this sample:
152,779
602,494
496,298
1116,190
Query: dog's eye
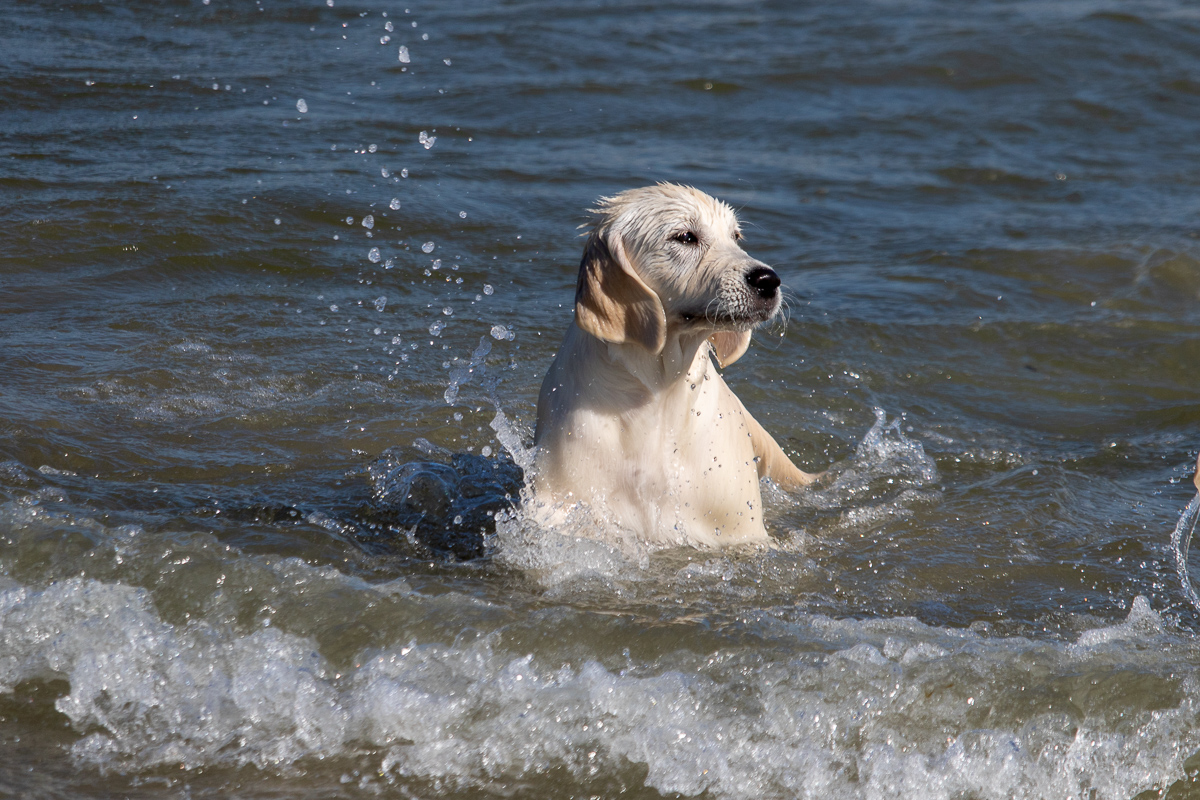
738,235
687,237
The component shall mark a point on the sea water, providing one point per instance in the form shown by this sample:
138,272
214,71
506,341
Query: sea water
275,304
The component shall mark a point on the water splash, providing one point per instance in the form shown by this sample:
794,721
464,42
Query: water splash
462,373
884,454
1181,541
507,435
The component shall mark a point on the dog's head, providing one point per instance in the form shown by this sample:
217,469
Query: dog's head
668,256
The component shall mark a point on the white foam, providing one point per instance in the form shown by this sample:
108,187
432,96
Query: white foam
821,708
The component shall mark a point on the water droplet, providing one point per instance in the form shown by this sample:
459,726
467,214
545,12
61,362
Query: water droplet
424,37
380,305
458,517
458,416
389,264
446,61
371,148
427,140
302,106
462,214
404,173
278,221
436,328
394,205
448,311
485,451
428,247
333,307
387,26
368,221
377,331
404,57
487,288
384,39
349,220
500,333
373,255
329,3
396,340
384,171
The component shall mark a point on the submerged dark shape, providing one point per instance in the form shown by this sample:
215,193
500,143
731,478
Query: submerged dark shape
447,507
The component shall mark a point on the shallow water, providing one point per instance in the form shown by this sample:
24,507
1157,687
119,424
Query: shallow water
236,330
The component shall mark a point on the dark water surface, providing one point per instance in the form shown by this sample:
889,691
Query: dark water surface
229,330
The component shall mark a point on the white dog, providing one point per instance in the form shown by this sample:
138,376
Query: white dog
633,418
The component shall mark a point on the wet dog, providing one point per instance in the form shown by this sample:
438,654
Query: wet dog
633,419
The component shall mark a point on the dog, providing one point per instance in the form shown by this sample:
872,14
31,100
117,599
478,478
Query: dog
633,419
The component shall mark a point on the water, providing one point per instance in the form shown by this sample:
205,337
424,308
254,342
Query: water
237,426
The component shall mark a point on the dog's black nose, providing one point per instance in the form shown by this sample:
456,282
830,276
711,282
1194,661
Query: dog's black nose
764,281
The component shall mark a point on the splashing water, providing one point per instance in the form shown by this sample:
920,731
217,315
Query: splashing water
884,453
462,373
1181,541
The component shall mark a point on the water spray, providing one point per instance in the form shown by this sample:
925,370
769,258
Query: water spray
1181,540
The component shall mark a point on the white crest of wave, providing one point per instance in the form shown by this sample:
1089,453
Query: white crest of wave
880,708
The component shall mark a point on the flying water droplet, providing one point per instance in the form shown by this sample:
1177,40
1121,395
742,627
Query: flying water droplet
428,247
501,333
404,57
448,311
302,106
436,328
368,221
462,214
427,140
487,289
381,303
373,255
394,205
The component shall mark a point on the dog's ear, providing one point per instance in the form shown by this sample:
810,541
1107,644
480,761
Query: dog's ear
729,346
612,302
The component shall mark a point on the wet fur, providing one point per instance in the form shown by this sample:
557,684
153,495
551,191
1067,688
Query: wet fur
634,420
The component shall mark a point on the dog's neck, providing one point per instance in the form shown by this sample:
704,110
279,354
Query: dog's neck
658,372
